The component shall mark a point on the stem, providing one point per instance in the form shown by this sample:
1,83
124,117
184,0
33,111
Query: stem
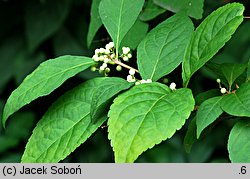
247,17
124,65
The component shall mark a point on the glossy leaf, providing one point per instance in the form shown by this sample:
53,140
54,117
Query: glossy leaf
64,127
144,116
43,19
190,137
48,76
135,35
119,16
210,36
104,94
239,142
201,97
238,103
95,21
232,72
162,50
151,11
207,113
193,8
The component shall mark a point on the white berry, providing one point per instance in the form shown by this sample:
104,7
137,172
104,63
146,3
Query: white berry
125,58
223,90
132,71
149,81
106,60
129,55
125,50
218,80
102,68
172,86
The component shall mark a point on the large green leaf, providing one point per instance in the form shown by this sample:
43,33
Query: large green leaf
119,16
151,11
193,8
43,80
95,21
210,36
65,126
238,103
135,35
239,142
104,94
207,113
162,50
144,116
43,19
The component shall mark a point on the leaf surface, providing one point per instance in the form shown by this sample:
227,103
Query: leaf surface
119,16
238,103
239,142
210,36
144,116
48,76
162,50
207,113
193,8
151,11
64,127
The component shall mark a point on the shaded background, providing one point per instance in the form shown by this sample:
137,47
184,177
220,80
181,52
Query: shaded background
32,31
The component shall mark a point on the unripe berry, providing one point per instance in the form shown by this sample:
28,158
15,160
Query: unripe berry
119,68
93,68
129,55
107,70
218,80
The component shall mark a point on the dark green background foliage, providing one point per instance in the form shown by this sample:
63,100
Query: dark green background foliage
32,31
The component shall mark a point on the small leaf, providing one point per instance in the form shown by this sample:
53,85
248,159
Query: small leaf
239,142
207,113
193,8
119,16
43,80
238,103
210,36
64,127
135,35
95,21
162,50
144,116
151,11
43,19
104,94
190,137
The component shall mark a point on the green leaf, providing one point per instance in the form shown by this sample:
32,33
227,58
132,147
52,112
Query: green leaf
64,127
135,35
210,36
207,113
162,50
239,142
43,19
43,80
193,8
232,72
104,94
144,116
248,72
119,16
95,21
190,137
238,103
201,97
151,11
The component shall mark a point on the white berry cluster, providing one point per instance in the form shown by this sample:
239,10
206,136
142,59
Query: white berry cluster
222,90
107,56
131,76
